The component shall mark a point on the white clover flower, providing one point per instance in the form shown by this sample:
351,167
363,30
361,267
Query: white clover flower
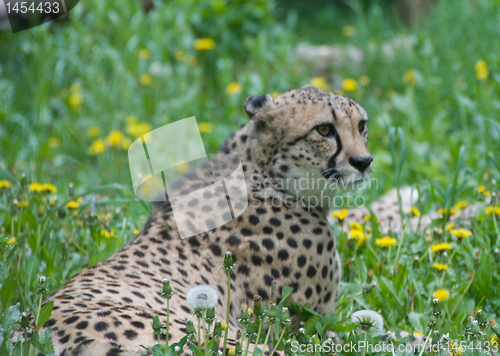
370,316
202,297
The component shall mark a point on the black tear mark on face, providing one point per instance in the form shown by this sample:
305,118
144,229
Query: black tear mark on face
332,161
334,115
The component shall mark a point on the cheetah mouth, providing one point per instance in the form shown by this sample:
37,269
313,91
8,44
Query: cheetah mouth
343,181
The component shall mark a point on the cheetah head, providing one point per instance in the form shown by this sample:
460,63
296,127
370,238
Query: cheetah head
309,133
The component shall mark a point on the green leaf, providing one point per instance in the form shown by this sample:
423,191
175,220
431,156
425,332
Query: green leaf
388,285
361,268
285,293
417,321
319,328
401,277
44,314
310,325
376,234
8,291
196,351
11,316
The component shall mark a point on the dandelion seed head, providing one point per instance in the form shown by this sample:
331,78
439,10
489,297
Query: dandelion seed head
368,316
202,297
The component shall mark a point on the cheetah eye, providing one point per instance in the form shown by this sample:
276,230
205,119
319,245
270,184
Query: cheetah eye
324,130
361,126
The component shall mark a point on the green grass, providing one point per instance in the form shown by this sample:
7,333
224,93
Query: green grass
94,60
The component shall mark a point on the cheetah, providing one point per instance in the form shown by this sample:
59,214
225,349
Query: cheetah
305,133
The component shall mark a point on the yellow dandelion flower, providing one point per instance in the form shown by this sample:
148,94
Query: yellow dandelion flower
93,131
455,347
231,351
138,130
415,212
98,146
364,80
441,294
356,234
115,138
461,233
48,188
42,188
107,234
54,142
145,79
495,339
5,184
75,100
482,189
461,204
74,204
489,210
440,266
204,44
275,94
450,212
443,246
21,204
35,187
386,241
223,326
362,239
349,84
136,231
250,311
340,215
234,88
193,61
354,225
180,55
320,82
144,53
482,71
348,31
410,77
11,241
205,127
181,166
450,226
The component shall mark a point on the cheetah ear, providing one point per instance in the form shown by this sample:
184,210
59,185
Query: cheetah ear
311,87
259,105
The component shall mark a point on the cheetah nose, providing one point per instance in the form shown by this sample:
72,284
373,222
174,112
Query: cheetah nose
361,163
